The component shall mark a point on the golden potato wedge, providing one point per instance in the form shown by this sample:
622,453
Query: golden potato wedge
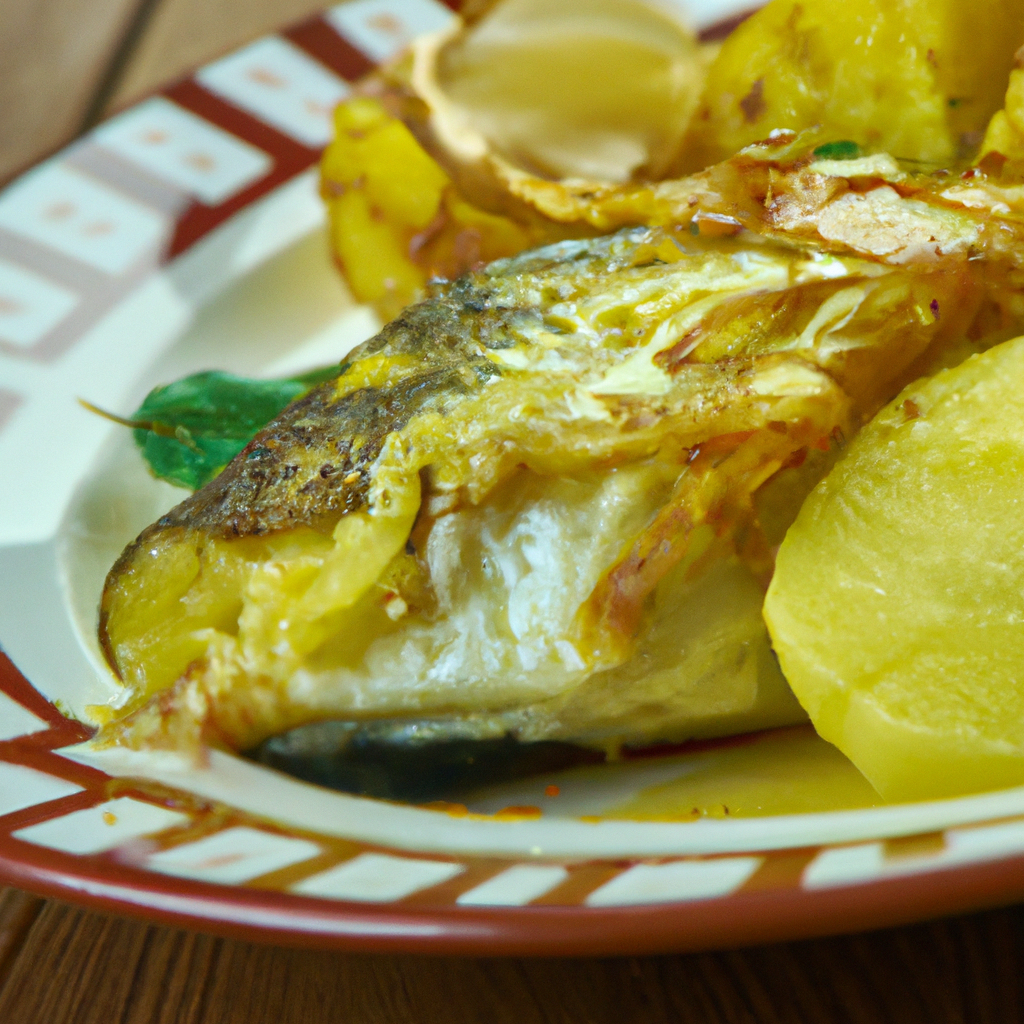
396,219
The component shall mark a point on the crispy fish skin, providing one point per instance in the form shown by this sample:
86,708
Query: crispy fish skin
248,608
315,460
869,206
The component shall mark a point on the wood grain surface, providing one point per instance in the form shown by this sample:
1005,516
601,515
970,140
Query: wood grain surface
66,63
55,56
179,35
62,62
61,965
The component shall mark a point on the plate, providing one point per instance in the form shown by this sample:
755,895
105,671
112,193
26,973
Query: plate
187,233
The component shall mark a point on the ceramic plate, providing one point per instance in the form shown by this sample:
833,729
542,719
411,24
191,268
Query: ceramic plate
184,234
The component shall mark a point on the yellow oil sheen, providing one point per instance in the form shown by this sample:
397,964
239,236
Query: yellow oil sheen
783,771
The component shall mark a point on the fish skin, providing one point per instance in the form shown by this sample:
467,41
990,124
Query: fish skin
478,380
294,471
871,207
299,468
889,216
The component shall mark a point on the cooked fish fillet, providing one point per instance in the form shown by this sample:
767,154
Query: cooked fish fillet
869,206
531,503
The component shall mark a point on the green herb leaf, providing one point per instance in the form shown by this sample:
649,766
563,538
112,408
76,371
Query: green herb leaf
190,430
844,150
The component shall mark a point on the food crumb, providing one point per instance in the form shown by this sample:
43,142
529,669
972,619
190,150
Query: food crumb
109,818
447,807
519,811
552,790
911,409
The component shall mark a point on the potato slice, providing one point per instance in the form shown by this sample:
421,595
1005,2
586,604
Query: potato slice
897,606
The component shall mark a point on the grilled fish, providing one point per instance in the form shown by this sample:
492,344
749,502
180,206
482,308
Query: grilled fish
535,505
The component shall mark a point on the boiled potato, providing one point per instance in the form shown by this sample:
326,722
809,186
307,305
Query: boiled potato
897,606
915,78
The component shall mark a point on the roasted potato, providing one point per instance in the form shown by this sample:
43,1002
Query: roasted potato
396,219
915,78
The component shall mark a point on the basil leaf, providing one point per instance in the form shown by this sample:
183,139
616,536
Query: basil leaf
842,150
190,430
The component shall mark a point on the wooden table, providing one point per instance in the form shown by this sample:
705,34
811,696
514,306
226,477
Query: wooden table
61,965
63,65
